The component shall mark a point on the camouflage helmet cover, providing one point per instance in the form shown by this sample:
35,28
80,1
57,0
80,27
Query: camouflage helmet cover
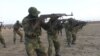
33,10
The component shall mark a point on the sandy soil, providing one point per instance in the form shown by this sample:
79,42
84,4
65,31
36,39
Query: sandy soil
87,44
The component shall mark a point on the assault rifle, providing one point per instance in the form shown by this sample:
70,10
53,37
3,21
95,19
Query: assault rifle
51,16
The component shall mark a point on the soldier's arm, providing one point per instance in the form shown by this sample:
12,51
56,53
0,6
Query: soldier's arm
44,26
40,21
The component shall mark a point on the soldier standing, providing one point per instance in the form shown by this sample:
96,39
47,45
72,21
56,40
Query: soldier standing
1,37
16,30
71,29
52,27
52,36
32,32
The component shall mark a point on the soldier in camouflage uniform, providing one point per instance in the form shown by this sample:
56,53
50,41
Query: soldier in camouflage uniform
52,31
16,30
71,29
1,37
32,32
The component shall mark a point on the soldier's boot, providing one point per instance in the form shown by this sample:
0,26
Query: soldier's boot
40,52
73,39
50,50
4,46
57,48
57,55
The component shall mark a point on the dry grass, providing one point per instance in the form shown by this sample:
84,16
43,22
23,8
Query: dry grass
88,43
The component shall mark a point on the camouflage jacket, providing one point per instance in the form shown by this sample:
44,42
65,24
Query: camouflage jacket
28,27
51,28
71,28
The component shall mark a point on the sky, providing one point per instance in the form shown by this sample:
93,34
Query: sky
12,10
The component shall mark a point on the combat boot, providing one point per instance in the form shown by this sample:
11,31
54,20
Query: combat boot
57,55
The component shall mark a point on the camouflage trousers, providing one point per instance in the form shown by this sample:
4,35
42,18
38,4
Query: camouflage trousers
14,36
53,40
2,40
71,37
34,47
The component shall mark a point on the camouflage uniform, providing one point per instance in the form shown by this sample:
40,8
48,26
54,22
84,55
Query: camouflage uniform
52,38
32,40
1,38
16,30
71,36
71,29
68,31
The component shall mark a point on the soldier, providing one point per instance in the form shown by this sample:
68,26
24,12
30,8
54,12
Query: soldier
1,37
79,25
32,30
16,30
52,27
71,29
52,32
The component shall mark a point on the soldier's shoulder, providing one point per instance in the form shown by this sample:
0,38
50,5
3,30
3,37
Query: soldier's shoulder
25,19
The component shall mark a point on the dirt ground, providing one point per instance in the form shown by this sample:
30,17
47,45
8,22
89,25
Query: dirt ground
87,44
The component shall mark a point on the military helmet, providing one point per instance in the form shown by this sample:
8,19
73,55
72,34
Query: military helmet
33,10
